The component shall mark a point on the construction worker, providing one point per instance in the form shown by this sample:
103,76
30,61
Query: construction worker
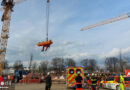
121,83
78,80
94,80
48,82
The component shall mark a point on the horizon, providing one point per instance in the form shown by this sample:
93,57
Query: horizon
66,20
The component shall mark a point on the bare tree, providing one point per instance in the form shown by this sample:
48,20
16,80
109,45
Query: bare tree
115,62
70,62
92,65
111,64
34,66
108,64
127,62
43,66
18,65
58,64
123,62
85,63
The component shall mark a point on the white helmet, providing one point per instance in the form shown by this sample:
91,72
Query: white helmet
92,74
48,73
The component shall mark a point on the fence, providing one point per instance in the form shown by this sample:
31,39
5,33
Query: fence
7,85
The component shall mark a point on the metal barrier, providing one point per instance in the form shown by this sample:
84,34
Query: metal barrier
8,85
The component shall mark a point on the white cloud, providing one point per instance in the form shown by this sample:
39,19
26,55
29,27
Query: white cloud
115,52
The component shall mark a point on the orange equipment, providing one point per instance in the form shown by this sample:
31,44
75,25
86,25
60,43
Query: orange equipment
45,44
79,88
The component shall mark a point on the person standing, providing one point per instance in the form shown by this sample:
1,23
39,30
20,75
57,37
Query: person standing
94,80
78,80
121,83
48,82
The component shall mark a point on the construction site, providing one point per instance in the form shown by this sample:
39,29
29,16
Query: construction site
65,45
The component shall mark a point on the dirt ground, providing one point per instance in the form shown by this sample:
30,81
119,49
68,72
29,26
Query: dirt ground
41,87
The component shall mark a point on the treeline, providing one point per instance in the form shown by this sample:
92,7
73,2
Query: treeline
57,64
114,64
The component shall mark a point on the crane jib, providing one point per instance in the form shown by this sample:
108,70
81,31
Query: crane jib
110,20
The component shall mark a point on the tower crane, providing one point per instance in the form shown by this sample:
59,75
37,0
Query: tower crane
111,20
8,9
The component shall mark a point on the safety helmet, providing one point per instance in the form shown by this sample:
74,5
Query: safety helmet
92,74
48,73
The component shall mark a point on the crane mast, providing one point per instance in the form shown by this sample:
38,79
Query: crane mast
111,20
8,6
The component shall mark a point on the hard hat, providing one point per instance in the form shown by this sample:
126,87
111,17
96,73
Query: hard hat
48,73
92,74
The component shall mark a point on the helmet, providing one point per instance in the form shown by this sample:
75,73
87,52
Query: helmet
48,73
92,74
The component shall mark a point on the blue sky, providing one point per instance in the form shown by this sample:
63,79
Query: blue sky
67,17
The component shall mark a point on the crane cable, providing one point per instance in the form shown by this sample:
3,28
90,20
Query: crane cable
47,18
46,44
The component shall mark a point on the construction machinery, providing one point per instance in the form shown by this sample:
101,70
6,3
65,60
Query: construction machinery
7,6
111,20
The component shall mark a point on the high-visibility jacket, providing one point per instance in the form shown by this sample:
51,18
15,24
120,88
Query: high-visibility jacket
121,81
94,81
78,81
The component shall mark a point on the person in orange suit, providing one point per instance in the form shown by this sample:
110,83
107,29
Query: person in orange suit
45,44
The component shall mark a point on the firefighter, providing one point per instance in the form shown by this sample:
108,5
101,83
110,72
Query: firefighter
121,83
78,80
88,81
94,80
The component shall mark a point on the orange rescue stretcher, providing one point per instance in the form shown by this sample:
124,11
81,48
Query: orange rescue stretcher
45,44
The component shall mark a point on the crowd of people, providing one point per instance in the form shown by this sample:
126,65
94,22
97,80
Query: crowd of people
92,80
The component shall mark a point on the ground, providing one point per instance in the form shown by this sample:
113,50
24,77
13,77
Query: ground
41,87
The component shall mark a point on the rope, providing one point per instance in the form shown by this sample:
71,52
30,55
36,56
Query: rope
47,19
